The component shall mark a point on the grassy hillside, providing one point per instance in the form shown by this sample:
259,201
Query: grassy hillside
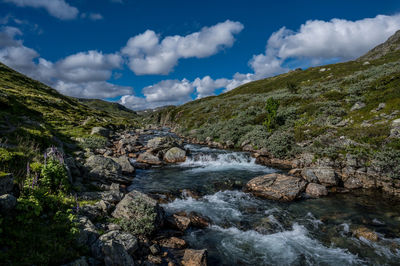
114,109
319,108
34,116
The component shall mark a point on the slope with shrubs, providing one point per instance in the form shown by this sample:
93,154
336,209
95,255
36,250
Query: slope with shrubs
42,228
329,111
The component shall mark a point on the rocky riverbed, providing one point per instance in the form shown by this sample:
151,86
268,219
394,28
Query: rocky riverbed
152,198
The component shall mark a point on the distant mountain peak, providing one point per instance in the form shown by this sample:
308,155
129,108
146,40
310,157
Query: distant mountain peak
392,44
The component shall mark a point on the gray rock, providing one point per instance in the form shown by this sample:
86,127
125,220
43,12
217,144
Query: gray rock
325,175
7,202
316,190
175,155
6,183
105,170
87,232
277,187
126,166
380,106
353,183
395,131
115,248
148,158
100,131
357,106
126,209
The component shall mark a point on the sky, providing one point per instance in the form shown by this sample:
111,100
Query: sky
146,54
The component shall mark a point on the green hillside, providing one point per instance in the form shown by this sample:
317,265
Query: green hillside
34,116
356,101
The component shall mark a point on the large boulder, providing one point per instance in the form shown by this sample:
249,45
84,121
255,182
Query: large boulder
105,170
6,183
323,175
7,202
148,158
115,248
277,187
194,257
100,131
141,212
395,130
175,155
125,164
316,190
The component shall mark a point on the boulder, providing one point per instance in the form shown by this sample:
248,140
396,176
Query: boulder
194,257
395,130
365,233
87,231
130,208
179,222
112,248
7,202
6,183
163,143
323,175
105,170
125,164
173,242
353,183
199,221
100,131
175,155
148,158
316,190
277,187
357,106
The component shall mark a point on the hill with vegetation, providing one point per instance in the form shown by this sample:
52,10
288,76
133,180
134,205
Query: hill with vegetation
337,111
40,129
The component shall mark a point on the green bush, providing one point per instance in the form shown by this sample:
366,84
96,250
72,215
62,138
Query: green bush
94,142
388,160
54,176
271,109
281,144
143,224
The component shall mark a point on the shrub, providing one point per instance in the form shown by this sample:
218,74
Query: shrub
94,142
271,109
281,144
143,224
54,176
388,160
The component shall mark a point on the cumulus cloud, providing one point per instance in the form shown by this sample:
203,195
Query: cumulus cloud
206,86
57,8
148,55
83,74
318,40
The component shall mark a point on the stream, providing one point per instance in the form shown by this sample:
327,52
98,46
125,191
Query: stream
246,230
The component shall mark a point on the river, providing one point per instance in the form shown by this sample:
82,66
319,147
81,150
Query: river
246,230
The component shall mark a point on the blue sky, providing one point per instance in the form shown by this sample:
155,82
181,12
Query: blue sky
181,50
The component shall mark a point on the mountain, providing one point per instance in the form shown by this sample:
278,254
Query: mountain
391,45
337,111
110,108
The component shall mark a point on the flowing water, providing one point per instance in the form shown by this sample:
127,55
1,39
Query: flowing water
246,230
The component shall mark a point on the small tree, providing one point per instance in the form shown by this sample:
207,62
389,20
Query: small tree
271,109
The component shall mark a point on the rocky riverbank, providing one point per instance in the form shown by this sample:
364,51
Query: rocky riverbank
121,227
322,175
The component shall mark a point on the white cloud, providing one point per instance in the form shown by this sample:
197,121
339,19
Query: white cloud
82,74
206,86
57,8
147,55
318,40
169,91
92,89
